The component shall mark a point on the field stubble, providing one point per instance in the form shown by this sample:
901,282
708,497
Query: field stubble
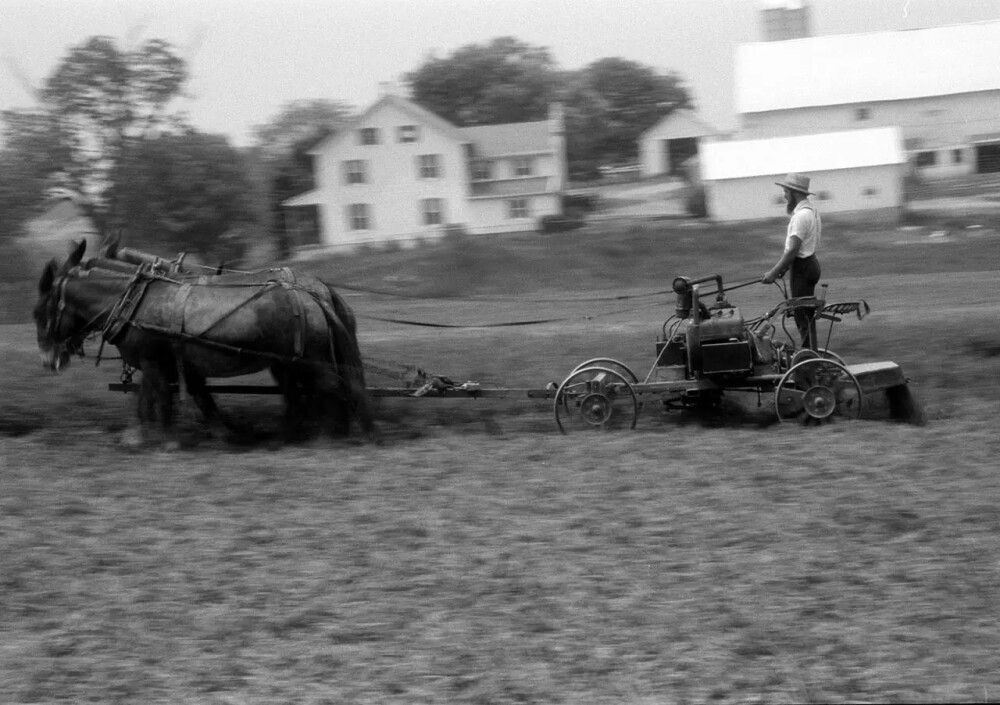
475,555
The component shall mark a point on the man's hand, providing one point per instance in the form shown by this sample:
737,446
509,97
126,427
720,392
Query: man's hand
769,278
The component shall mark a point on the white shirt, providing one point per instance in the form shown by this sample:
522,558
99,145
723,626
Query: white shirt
806,225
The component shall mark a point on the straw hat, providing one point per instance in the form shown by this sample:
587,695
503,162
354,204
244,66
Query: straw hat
796,182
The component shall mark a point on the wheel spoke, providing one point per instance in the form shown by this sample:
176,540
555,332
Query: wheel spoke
596,398
820,388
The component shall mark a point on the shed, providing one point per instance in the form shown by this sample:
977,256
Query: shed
851,171
665,146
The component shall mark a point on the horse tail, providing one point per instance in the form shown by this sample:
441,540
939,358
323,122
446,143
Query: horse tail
350,365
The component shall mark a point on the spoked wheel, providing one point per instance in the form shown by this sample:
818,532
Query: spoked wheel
596,398
818,390
611,364
821,353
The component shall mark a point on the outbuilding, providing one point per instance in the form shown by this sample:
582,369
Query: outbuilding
855,171
669,144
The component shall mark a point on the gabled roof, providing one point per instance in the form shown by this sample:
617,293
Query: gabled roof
802,153
863,68
680,124
419,114
508,139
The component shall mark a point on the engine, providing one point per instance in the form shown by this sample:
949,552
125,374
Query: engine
709,340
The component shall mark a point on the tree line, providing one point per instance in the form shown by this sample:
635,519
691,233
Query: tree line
105,126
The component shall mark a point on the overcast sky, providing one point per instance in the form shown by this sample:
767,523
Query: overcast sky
248,58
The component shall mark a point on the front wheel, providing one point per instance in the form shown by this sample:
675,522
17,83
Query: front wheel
596,398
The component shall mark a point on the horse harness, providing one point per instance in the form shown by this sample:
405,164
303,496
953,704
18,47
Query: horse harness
122,314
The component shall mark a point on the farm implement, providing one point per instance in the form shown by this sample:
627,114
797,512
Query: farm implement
705,351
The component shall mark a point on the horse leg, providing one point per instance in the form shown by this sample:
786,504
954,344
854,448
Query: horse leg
294,393
155,403
342,399
197,387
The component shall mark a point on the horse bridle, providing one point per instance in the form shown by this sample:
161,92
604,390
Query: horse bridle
73,344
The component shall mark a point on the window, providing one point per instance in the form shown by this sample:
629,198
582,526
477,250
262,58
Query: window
862,114
517,208
408,133
957,156
433,211
524,166
926,159
823,196
369,135
355,171
482,170
870,192
359,216
430,166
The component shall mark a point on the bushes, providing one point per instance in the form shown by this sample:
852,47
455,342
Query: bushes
556,223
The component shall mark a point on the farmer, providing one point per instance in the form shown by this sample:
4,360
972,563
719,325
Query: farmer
805,229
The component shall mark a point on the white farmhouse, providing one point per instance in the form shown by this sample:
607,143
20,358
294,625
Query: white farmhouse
853,170
400,173
940,86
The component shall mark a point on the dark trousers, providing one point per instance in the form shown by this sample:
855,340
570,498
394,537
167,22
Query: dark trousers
805,276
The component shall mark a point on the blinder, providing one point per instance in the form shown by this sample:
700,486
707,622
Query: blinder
71,344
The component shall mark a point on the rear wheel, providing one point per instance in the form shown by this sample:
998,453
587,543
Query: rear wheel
818,390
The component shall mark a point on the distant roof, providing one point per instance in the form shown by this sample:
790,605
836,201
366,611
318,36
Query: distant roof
680,124
802,153
489,140
418,112
859,68
510,138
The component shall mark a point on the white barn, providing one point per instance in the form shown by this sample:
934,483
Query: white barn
400,173
940,86
853,170
667,145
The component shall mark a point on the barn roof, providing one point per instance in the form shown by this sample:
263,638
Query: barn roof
801,153
862,68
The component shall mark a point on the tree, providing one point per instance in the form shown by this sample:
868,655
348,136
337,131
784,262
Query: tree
106,99
34,153
610,103
104,129
500,82
282,164
188,189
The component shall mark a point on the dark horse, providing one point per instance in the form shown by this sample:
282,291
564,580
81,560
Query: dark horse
176,326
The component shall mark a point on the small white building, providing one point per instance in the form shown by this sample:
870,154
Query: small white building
667,145
854,170
400,173
940,86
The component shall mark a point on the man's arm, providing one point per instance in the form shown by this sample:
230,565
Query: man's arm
787,257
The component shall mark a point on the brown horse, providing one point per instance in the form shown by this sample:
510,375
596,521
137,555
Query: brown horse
176,327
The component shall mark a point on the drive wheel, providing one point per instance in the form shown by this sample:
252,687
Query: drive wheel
818,390
596,398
